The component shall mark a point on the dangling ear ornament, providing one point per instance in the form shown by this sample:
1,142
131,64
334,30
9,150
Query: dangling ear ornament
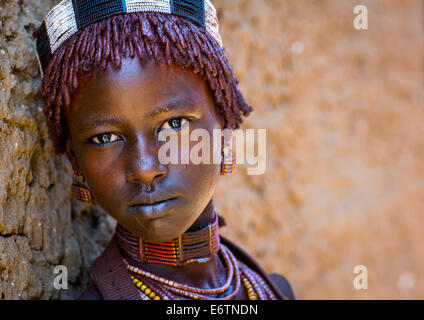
79,189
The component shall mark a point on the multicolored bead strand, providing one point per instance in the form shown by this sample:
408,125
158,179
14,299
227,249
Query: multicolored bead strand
261,288
263,285
156,287
230,273
145,289
249,288
197,296
165,289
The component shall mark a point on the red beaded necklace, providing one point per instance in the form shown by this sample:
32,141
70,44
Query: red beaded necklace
196,246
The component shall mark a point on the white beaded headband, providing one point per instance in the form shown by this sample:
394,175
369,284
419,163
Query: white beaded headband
69,16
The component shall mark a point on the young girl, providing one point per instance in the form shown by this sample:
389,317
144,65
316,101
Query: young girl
116,75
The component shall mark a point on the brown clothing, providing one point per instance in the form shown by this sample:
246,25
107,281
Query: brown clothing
111,280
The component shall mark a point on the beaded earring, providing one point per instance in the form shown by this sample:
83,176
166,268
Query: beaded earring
228,160
79,189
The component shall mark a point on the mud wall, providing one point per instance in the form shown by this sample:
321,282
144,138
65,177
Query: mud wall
39,226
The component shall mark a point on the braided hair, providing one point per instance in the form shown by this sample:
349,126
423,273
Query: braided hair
160,37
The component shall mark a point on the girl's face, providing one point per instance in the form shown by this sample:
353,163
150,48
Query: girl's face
114,143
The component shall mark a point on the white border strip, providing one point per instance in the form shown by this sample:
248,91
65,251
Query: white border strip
163,6
211,22
60,24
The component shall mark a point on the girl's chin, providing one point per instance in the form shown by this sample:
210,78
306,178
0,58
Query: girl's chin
156,230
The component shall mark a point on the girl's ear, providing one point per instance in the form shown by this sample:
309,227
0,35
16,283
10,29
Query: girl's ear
71,155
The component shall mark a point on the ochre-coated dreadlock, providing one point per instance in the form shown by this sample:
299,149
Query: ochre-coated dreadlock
158,37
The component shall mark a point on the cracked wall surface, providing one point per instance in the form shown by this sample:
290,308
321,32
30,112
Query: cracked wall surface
39,228
344,184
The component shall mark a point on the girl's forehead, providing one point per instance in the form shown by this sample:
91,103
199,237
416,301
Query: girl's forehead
141,77
136,86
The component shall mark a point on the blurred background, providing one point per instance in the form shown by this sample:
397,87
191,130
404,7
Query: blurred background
344,184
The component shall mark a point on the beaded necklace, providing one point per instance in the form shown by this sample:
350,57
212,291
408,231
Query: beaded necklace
153,287
196,246
193,292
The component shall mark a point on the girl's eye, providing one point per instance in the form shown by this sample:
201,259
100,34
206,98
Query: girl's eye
175,124
105,138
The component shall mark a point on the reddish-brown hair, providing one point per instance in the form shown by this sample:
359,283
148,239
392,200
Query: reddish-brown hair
163,38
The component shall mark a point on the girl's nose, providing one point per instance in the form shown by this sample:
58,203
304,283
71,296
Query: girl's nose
143,164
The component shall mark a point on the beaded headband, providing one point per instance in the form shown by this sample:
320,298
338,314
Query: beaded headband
70,16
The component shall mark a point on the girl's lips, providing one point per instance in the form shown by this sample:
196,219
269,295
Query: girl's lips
153,210
151,198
